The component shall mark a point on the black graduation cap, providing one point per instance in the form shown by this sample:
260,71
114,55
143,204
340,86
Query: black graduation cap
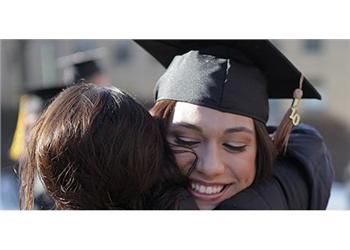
85,70
82,64
236,76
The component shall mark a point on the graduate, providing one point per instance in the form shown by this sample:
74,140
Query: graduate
213,98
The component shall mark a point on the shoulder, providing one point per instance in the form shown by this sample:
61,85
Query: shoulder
307,145
305,140
308,161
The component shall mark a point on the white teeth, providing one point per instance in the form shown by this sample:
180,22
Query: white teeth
206,189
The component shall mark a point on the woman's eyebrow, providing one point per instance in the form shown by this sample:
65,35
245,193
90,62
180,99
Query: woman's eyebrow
187,125
239,129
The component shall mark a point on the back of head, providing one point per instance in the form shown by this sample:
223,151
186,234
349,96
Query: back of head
94,148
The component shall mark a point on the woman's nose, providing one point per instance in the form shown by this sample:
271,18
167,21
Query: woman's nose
210,163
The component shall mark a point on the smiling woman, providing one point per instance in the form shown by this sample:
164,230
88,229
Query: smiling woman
214,101
227,143
225,154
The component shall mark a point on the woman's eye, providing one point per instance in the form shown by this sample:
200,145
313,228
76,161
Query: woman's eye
185,141
234,148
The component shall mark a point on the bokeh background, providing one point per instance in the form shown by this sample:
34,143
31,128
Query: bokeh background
33,70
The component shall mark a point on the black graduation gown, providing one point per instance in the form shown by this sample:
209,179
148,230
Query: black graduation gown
301,179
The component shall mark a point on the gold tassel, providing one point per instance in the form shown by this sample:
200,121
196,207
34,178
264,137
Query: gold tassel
290,119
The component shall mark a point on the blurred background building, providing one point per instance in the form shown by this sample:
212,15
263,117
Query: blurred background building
31,65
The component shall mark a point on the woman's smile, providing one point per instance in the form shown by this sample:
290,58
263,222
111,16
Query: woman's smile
206,191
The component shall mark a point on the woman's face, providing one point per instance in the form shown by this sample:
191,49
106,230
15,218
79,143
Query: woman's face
225,145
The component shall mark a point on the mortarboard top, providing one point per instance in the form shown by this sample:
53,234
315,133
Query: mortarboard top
86,69
236,76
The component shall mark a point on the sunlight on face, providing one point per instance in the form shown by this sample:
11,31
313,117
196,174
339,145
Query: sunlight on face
225,145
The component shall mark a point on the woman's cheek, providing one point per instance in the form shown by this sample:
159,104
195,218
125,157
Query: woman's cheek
248,173
243,167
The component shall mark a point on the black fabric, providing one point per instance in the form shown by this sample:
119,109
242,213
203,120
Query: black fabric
186,201
234,76
281,74
85,70
301,180
308,147
222,84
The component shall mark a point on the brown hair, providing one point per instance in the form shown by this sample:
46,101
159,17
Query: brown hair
266,151
96,148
